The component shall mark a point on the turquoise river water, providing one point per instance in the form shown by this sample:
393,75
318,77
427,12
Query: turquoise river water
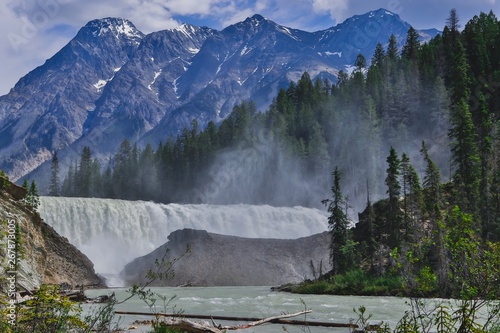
262,302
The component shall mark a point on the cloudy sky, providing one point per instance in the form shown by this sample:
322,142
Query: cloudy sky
34,30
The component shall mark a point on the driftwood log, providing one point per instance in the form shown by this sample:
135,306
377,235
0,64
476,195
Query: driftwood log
181,322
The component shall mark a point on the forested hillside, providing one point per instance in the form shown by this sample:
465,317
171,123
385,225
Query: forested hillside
442,92
426,237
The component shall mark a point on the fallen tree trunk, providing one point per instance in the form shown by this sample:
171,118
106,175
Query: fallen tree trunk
191,327
264,320
275,320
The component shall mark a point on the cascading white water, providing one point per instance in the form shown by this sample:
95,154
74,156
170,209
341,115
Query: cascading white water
114,232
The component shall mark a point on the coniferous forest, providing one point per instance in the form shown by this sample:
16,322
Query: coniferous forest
413,139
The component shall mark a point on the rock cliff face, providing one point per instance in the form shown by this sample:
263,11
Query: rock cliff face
44,257
218,260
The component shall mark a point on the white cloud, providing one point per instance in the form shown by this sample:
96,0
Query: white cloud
190,7
336,8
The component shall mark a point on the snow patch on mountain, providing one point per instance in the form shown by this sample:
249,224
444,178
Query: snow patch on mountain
127,30
176,86
118,27
289,33
154,79
100,84
328,53
187,29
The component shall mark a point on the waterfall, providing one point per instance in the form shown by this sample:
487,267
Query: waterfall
114,232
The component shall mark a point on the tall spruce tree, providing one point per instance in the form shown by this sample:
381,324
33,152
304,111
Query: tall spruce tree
337,224
463,135
393,48
453,21
431,183
466,179
412,196
412,45
122,174
378,56
484,121
83,178
364,232
54,178
394,192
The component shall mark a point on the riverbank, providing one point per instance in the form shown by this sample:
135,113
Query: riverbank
355,283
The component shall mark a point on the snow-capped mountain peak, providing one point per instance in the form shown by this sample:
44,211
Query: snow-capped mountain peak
187,29
116,26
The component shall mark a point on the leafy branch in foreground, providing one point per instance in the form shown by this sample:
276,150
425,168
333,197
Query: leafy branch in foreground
473,274
50,311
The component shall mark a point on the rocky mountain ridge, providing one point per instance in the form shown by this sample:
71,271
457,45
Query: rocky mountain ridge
112,82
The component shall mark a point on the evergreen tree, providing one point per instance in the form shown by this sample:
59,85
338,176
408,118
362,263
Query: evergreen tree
393,48
122,172
378,56
394,192
75,180
485,125
342,78
83,176
478,42
34,195
431,183
466,179
412,196
364,232
147,174
25,185
54,179
458,75
410,49
453,21
337,224
318,151
96,189
360,62
107,183
406,177
32,198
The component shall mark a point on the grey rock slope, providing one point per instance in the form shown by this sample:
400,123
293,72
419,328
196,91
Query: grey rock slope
218,260
45,257
111,82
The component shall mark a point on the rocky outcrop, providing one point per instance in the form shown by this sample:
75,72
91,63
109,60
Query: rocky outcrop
43,256
218,260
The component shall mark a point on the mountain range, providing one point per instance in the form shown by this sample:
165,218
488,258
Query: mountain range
112,82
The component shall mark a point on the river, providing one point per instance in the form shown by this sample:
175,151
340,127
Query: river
262,302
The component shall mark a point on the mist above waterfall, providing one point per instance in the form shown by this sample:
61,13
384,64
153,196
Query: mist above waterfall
114,232
261,174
